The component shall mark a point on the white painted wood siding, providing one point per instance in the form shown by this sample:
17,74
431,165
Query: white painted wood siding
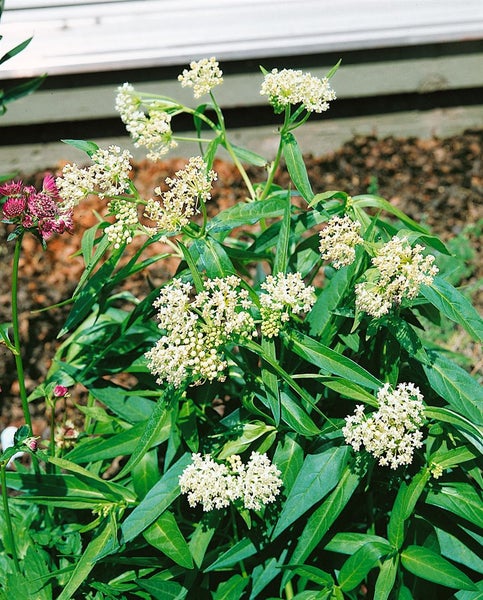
78,37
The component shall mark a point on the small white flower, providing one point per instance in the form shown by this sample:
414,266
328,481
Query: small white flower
214,485
289,87
196,330
390,434
285,295
401,270
150,129
338,240
188,188
202,76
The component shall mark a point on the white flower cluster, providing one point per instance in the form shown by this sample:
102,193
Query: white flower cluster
215,485
197,329
122,230
339,239
289,87
151,130
401,270
190,186
108,176
202,76
392,433
285,295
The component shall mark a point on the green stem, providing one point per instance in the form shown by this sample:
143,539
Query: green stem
8,520
16,333
289,591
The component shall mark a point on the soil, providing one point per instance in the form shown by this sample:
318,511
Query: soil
435,181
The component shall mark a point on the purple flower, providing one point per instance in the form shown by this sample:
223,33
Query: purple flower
60,391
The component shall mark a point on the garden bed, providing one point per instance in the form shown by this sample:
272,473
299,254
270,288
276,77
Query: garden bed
438,182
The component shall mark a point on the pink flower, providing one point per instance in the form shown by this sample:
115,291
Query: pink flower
49,186
14,207
60,391
12,188
42,206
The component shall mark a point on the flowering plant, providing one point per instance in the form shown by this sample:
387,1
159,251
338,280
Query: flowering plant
282,429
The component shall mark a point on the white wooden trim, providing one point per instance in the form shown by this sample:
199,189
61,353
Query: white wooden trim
78,37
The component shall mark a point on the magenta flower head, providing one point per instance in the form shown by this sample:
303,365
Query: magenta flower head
12,188
49,186
60,391
14,207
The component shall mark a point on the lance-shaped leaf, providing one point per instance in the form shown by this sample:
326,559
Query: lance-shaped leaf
430,566
317,477
296,166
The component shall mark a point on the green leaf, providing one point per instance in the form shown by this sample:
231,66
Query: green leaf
357,566
250,432
89,148
456,386
368,200
202,536
317,477
155,502
294,415
14,51
404,505
402,331
211,257
165,535
386,578
246,213
68,491
452,547
145,474
349,389
464,425
270,382
121,444
160,589
108,488
350,543
231,589
311,573
296,166
86,563
330,361
459,498
153,428
281,254
322,519
125,404
239,552
455,306
289,458
430,566
247,156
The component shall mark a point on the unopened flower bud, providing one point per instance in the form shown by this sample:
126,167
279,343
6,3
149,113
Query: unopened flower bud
31,443
60,391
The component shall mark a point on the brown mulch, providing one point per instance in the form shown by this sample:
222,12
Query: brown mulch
437,181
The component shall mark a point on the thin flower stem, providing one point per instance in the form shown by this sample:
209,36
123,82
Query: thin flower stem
276,162
231,152
8,519
16,334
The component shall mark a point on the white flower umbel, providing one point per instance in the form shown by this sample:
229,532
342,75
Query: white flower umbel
215,485
392,433
208,483
202,76
197,329
401,270
122,230
285,295
260,481
107,177
339,239
289,87
180,203
151,130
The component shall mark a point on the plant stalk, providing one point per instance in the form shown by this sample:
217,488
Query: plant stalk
8,519
16,334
